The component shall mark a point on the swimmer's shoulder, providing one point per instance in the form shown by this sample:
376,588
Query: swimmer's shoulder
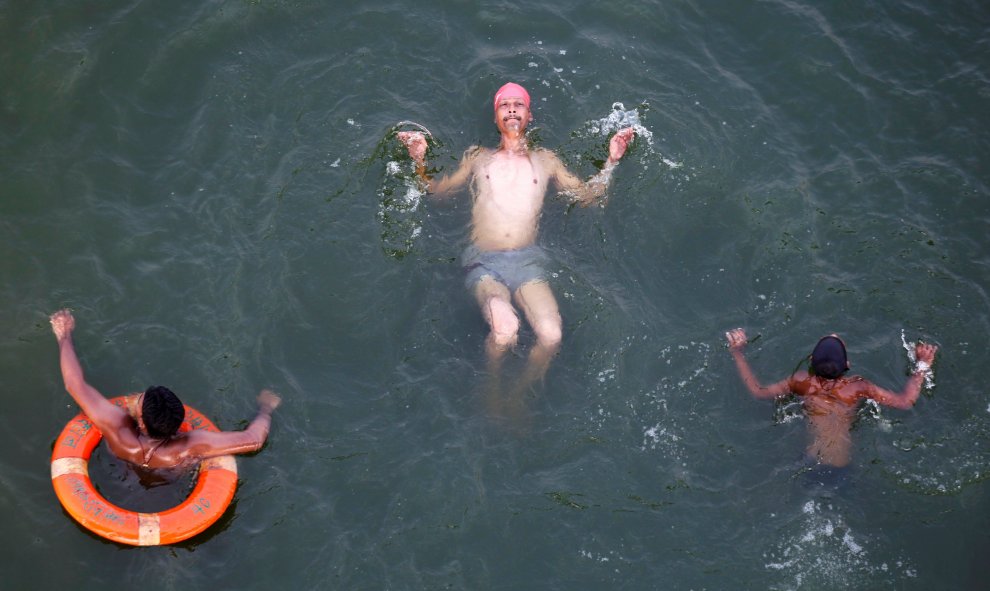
847,389
474,152
801,375
548,160
800,383
858,385
545,155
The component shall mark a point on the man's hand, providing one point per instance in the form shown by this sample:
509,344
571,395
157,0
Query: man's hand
618,144
415,142
736,338
925,353
62,324
268,401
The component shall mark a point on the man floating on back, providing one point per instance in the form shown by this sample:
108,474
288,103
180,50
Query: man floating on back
504,266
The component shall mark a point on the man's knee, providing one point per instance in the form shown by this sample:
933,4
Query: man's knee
504,337
504,322
506,327
548,331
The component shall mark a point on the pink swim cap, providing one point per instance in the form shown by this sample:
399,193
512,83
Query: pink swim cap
511,89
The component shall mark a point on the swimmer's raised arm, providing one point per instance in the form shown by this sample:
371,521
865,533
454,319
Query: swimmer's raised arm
737,342
594,189
104,414
925,355
415,142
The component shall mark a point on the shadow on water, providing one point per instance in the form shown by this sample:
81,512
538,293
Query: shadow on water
135,489
148,491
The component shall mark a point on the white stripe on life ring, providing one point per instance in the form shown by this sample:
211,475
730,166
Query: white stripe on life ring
149,529
63,466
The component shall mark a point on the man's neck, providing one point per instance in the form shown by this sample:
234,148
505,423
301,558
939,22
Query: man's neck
514,144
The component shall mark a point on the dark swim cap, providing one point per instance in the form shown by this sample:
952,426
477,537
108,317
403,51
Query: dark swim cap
828,360
162,412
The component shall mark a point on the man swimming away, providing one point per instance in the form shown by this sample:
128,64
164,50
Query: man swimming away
147,434
504,267
829,396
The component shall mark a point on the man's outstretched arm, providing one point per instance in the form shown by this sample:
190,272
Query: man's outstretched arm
925,355
415,142
737,342
105,415
206,444
595,189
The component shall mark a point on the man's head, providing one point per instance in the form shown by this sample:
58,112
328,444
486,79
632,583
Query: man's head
511,107
162,412
829,360
511,90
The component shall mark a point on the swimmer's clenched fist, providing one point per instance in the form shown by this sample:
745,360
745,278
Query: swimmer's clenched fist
737,338
415,142
268,401
62,323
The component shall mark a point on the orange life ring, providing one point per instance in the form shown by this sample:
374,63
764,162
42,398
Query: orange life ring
209,499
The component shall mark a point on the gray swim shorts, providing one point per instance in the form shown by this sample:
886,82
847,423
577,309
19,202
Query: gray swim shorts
511,268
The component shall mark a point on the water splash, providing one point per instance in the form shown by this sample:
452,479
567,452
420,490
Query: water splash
400,193
929,382
399,200
620,118
670,409
826,552
786,410
871,409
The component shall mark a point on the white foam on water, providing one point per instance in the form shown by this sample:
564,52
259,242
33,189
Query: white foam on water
787,411
665,421
659,436
413,195
826,551
872,409
400,196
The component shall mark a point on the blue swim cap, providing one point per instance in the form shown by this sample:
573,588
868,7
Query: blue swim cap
828,360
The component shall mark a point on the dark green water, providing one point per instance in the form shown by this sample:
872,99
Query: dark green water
208,187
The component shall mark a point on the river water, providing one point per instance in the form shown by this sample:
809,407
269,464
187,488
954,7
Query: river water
216,191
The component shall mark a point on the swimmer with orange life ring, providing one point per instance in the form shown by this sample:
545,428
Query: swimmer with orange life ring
209,499
152,429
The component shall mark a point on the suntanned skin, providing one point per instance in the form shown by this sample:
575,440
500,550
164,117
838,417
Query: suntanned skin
830,404
127,437
509,185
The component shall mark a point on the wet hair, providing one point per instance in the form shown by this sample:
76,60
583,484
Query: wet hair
162,412
828,360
